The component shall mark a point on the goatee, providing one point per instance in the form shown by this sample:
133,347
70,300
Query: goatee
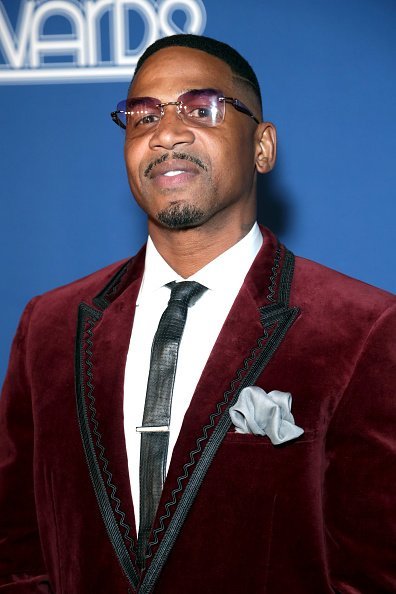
181,216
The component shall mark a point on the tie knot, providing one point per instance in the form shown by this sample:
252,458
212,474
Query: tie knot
186,292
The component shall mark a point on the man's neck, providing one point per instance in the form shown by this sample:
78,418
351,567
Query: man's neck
189,250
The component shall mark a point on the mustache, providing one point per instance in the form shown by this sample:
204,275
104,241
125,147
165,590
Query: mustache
181,156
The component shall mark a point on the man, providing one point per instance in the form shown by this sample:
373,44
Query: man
299,505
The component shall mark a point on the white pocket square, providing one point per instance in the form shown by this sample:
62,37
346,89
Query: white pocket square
260,413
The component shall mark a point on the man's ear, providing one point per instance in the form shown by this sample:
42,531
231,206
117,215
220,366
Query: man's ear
265,147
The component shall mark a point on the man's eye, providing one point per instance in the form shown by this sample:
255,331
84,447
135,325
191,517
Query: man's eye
201,113
148,119
137,119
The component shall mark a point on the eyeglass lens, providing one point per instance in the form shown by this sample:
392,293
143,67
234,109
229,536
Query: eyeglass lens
199,107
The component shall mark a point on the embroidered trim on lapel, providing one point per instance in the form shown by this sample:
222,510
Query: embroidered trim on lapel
277,317
87,319
105,297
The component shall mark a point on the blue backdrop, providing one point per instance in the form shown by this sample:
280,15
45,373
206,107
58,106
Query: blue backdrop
328,76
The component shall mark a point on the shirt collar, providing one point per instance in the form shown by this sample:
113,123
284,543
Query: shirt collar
224,273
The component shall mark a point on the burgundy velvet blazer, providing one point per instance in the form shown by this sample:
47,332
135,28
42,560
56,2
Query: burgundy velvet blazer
238,514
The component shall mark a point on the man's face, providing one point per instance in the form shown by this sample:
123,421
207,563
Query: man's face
184,176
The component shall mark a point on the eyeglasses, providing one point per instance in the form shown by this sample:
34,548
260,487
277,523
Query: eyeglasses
203,108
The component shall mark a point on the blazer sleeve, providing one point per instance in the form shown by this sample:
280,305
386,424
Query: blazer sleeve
22,568
360,478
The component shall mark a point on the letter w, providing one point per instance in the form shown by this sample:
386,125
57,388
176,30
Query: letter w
15,43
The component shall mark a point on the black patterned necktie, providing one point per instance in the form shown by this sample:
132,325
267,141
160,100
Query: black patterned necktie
157,409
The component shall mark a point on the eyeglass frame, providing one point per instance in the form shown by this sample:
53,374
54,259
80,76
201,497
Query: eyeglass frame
236,103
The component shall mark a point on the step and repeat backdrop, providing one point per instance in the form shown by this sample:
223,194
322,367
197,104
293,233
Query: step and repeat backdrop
328,76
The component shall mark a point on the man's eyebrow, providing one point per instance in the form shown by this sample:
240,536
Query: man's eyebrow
189,89
177,94
182,91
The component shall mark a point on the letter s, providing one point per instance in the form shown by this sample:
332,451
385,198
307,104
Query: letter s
195,13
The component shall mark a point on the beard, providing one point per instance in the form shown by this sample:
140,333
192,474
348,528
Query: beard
181,216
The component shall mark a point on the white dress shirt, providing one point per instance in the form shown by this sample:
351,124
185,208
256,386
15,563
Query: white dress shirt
223,278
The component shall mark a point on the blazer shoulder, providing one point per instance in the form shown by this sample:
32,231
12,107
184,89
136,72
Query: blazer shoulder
333,291
87,288
86,285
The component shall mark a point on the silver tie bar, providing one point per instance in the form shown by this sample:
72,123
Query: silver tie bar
160,429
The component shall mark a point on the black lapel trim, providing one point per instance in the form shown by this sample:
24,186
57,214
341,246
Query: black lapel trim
273,278
104,298
286,278
276,319
87,319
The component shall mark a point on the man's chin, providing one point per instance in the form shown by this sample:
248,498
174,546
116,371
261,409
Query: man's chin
180,217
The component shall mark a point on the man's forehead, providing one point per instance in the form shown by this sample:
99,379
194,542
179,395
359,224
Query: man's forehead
180,69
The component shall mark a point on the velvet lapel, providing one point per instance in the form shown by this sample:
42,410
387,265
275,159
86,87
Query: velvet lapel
238,358
103,336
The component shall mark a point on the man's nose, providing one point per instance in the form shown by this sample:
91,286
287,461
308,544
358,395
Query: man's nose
171,131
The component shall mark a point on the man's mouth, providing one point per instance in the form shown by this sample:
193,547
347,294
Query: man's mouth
173,173
178,163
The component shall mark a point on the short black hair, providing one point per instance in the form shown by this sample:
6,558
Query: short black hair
239,66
